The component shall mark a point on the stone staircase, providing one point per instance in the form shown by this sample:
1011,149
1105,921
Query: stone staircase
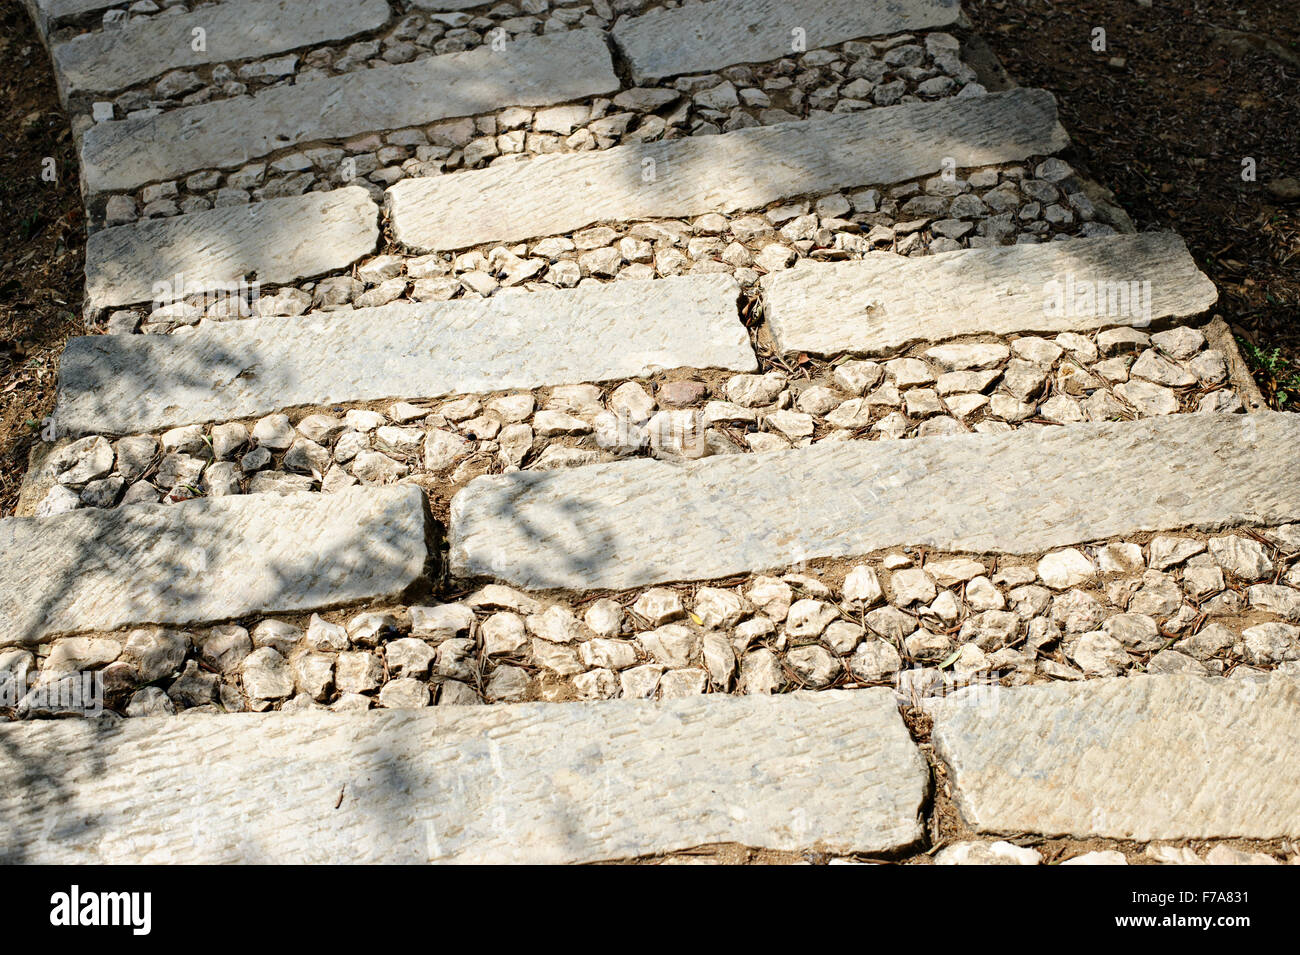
580,431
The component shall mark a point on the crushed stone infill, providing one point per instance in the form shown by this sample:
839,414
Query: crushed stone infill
1223,605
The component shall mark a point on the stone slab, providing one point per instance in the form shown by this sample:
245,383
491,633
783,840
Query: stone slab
126,154
113,59
61,9
278,241
47,13
206,560
527,783
885,303
745,169
1142,758
703,38
55,10
627,524
124,384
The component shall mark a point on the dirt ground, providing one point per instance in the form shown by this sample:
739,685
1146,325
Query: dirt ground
1203,84
42,243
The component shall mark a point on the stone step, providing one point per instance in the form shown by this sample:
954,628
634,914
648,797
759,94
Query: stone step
1148,757
117,58
526,783
884,303
122,384
1107,608
125,154
746,169
277,241
55,10
126,383
707,37
47,13
631,523
206,560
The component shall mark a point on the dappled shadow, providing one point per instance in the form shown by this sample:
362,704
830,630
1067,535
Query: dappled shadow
640,523
741,170
199,561
125,384
881,305
498,531
269,242
226,371
193,562
41,801
503,784
124,155
209,560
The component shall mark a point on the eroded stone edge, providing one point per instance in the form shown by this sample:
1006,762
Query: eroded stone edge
966,725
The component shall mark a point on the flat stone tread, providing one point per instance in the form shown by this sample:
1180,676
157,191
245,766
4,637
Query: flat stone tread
885,303
62,9
69,8
536,71
114,59
46,13
279,240
122,384
525,783
627,524
744,169
1143,758
206,560
705,37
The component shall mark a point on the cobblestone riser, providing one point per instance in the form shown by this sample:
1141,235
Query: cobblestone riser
1040,201
852,76
922,622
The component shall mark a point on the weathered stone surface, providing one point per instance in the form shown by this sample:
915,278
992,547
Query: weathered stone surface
403,350
108,60
280,240
884,303
625,524
532,782
46,13
1159,757
206,560
125,154
699,38
745,169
